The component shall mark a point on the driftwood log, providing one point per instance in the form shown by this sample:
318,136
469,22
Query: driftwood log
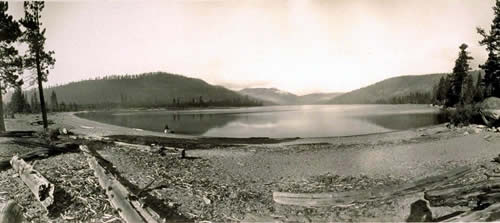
10,212
119,197
36,182
455,195
163,150
18,134
350,197
134,146
491,213
41,151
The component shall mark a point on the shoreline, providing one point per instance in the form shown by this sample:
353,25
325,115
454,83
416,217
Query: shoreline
250,173
121,130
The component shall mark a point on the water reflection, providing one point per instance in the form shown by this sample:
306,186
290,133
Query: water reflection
279,121
406,121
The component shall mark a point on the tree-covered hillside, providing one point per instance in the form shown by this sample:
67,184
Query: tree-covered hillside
393,88
147,90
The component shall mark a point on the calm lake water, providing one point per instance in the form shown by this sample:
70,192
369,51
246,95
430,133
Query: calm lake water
278,121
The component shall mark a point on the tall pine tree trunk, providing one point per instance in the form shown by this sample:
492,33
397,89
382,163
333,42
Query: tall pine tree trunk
2,124
40,92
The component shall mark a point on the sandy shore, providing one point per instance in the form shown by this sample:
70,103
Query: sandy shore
409,154
245,175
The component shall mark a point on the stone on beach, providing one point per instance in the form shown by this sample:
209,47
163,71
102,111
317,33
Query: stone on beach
420,212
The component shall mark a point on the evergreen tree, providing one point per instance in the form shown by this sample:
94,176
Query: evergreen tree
492,66
10,62
27,106
440,91
454,94
63,107
35,104
16,104
479,92
53,102
468,90
37,59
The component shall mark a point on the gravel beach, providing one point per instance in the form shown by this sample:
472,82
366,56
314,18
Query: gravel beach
229,182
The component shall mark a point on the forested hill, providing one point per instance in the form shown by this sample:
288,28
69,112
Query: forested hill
389,89
147,90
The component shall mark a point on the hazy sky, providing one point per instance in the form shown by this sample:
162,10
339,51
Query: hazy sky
298,45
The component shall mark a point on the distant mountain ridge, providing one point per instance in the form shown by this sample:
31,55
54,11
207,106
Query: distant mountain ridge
280,97
393,87
161,88
157,88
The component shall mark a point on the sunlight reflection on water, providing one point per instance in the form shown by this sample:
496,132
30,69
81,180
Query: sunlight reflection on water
279,121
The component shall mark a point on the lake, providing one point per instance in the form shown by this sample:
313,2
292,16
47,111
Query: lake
278,121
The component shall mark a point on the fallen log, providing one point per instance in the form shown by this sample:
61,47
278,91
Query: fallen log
456,195
163,150
42,151
10,212
119,197
134,146
491,213
18,134
350,197
38,184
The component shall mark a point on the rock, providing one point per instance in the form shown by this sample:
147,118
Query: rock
207,201
182,154
419,212
63,131
474,130
466,133
233,195
496,159
490,103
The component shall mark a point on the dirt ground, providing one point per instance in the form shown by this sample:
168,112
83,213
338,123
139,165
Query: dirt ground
234,181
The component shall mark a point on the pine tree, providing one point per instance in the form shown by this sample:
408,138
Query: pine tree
16,104
492,66
27,107
454,94
440,91
35,104
53,102
479,92
37,59
63,107
468,90
10,62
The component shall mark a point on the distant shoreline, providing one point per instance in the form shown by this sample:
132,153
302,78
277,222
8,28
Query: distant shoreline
75,123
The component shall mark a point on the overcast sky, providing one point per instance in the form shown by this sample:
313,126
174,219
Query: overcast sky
299,46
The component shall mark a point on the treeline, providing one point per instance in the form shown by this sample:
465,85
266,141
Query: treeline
149,90
454,89
411,98
458,89
21,102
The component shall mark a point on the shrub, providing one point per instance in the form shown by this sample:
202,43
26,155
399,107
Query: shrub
464,115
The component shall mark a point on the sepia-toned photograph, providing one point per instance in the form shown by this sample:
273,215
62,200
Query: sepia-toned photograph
205,111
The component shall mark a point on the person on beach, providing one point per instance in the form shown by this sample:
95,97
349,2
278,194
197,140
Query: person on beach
166,130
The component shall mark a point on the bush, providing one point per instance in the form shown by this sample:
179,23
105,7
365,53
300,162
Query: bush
464,115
